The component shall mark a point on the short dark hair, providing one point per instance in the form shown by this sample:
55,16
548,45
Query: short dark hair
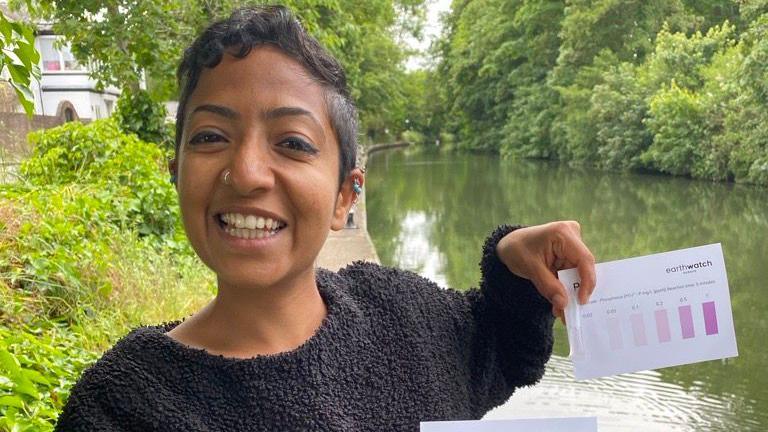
249,27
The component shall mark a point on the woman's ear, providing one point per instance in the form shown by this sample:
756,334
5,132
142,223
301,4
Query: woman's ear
348,195
173,170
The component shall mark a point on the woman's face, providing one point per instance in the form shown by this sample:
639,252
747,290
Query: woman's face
263,119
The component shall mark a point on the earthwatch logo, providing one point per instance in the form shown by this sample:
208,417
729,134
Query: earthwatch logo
689,268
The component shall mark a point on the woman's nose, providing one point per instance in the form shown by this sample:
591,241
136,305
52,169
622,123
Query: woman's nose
251,167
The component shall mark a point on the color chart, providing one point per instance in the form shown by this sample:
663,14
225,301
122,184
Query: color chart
649,312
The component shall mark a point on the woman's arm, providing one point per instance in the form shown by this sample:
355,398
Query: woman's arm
512,337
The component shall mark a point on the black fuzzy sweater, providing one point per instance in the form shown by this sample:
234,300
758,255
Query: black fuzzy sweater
394,349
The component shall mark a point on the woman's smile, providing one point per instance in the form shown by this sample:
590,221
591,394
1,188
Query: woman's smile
248,228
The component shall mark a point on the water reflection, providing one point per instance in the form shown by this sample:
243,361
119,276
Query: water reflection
430,214
414,250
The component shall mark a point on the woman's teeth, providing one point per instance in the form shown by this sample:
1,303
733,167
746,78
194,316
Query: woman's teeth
249,226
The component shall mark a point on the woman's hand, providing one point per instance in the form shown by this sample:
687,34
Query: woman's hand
536,253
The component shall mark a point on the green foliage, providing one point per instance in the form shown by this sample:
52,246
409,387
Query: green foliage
130,172
678,124
746,119
492,67
90,246
38,368
123,40
138,114
58,251
669,86
414,137
20,58
682,59
84,184
618,111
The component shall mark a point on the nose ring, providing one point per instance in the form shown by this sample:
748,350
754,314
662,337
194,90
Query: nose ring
226,176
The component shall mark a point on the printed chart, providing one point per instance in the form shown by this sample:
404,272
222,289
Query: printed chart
649,312
566,424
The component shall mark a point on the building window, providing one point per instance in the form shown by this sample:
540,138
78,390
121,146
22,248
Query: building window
57,58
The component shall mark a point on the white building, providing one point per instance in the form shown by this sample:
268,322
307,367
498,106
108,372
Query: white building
65,89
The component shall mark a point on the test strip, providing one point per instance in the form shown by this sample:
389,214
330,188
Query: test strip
686,321
662,325
638,329
710,318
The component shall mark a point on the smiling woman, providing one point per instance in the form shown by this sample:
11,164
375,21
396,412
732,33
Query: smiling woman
264,168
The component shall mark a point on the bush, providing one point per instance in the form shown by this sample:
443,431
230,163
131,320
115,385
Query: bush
84,190
130,184
136,113
678,124
413,137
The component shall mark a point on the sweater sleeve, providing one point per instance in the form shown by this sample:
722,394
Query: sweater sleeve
512,333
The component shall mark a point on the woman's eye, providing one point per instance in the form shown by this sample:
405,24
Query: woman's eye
206,138
298,144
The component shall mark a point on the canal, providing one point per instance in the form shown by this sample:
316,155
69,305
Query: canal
430,213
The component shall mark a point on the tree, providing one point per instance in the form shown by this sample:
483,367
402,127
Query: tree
20,58
125,40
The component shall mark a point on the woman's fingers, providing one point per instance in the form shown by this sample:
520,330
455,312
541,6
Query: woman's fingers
559,313
537,253
576,253
550,287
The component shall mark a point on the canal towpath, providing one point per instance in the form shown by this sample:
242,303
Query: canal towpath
352,243
348,244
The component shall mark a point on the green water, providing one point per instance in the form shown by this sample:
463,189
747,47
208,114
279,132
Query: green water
430,213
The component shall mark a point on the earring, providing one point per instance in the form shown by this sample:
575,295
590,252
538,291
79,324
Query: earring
225,177
356,187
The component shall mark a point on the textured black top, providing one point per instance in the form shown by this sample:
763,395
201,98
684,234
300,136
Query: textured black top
394,349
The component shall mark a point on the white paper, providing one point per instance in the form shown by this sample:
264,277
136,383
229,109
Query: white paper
655,311
568,424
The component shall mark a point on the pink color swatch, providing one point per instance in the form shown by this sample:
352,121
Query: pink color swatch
614,334
710,318
638,329
686,321
662,325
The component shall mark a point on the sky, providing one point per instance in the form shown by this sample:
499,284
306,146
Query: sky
431,31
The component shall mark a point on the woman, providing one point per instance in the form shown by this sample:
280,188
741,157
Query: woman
264,166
